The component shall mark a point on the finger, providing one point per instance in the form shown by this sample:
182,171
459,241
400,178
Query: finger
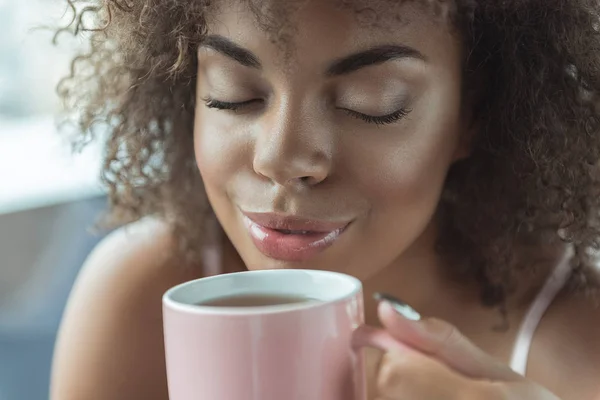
442,341
368,336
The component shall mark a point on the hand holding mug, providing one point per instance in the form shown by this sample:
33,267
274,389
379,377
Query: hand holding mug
429,359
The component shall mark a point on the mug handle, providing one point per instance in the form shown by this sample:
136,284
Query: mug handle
368,336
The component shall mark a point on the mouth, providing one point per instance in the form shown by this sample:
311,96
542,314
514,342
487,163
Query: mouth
290,238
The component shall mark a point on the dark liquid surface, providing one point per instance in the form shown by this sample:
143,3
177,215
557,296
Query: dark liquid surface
255,300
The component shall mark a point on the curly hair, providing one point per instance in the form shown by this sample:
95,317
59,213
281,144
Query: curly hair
534,172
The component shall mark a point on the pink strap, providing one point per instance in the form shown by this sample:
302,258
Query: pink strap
550,290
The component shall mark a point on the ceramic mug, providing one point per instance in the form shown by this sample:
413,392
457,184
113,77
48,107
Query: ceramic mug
297,351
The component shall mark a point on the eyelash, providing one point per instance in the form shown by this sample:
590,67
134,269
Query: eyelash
380,120
224,105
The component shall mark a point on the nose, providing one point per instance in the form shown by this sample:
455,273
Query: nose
290,150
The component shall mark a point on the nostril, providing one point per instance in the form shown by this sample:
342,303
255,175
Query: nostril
308,180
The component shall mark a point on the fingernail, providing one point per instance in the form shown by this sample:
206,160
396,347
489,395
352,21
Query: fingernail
399,306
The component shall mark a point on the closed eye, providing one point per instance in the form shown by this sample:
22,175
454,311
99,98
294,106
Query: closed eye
225,105
371,119
379,120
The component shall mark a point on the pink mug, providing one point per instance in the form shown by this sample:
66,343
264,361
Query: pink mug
297,351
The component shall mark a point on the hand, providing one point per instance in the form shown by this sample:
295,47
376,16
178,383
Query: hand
430,359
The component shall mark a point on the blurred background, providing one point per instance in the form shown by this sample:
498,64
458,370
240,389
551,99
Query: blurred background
49,197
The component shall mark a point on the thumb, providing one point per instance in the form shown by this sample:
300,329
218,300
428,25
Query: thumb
440,340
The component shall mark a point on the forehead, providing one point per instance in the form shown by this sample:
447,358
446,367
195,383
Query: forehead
293,25
273,11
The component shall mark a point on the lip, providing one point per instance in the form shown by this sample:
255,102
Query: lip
304,239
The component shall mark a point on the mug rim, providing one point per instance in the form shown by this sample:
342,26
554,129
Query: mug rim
199,309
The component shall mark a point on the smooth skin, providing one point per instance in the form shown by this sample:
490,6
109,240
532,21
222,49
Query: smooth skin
304,142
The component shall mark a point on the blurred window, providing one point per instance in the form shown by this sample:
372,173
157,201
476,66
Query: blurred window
36,164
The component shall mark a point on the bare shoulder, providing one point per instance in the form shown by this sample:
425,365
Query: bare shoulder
143,245
567,347
110,342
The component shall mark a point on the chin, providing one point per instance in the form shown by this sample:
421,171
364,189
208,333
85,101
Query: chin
274,264
261,262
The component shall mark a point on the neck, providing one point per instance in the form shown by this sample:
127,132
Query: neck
423,279
415,276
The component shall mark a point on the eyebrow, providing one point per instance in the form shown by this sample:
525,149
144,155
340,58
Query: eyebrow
373,56
343,66
232,50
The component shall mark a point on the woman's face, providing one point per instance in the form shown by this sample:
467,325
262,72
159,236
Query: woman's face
328,149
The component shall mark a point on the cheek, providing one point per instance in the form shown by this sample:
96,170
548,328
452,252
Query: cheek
220,150
403,190
403,177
